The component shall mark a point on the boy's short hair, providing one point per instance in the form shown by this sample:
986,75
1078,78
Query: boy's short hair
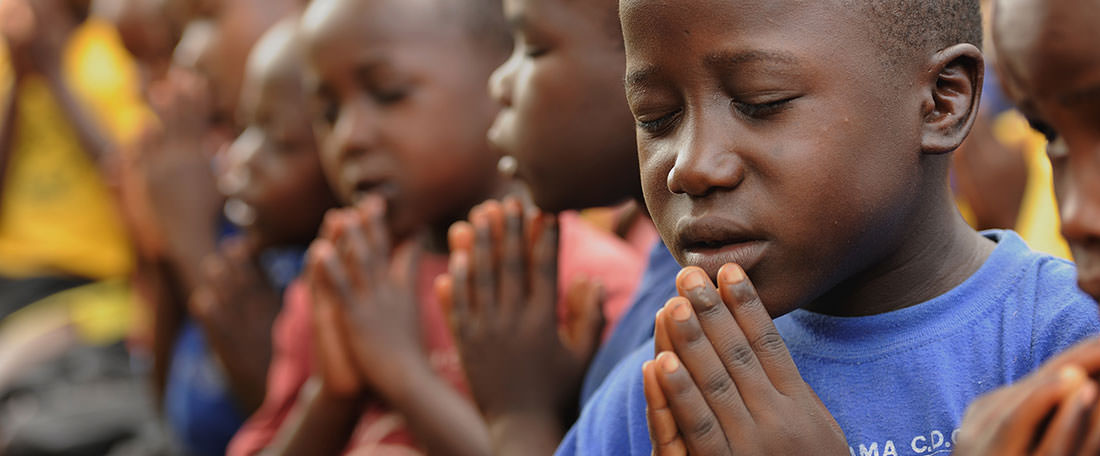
906,26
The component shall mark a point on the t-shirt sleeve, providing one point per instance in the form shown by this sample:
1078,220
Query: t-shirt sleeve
290,368
1065,315
613,422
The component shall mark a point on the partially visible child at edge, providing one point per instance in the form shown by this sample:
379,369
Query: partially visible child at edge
821,176
1050,73
565,74
211,359
403,112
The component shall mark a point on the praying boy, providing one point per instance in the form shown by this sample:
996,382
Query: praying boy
797,152
1051,73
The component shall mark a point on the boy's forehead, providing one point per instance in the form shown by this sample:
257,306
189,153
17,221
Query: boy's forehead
374,20
1045,43
775,32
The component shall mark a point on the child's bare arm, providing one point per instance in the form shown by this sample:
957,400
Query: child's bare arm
89,133
42,30
178,177
330,403
320,424
731,385
524,368
1046,413
374,293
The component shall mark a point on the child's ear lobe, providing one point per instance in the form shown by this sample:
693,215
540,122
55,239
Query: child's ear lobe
951,106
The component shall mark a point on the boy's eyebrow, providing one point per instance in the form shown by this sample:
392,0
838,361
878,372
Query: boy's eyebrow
726,58
1079,96
721,59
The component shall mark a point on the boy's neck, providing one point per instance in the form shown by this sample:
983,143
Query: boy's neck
435,240
939,252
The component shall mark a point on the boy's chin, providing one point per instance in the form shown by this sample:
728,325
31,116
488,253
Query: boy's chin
1088,270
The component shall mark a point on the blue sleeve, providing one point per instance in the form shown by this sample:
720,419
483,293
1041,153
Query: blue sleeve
613,422
1064,316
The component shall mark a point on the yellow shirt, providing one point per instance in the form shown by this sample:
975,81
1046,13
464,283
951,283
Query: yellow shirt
57,216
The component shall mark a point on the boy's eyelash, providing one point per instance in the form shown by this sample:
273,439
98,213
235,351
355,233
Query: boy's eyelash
658,126
387,97
762,109
1044,128
331,112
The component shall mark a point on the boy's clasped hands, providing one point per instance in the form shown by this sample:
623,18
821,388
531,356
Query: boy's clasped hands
723,381
366,326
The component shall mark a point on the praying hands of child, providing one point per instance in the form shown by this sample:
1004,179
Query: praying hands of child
371,288
524,364
1053,411
724,382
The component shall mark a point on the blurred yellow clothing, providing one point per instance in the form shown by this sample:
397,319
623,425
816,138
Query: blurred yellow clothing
57,216
1038,222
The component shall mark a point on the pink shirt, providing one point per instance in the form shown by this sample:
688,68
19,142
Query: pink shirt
584,252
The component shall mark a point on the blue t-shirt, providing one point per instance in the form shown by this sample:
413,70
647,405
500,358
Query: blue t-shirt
897,383
198,403
658,285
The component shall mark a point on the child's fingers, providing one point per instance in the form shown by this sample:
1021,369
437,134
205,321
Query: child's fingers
741,298
1037,398
544,267
699,428
1063,434
405,266
724,333
333,359
484,278
1090,445
355,253
513,270
443,287
333,224
460,294
461,236
660,334
373,216
712,378
1085,354
330,279
494,211
663,432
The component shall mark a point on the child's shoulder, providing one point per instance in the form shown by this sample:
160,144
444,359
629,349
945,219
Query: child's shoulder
1045,295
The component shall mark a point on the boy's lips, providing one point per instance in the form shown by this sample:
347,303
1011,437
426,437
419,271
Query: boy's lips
712,242
361,187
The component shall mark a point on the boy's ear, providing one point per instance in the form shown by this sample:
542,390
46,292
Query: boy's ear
951,104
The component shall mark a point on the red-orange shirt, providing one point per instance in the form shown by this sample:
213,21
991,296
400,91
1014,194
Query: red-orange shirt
585,252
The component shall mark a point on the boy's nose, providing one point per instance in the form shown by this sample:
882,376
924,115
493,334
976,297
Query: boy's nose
354,132
705,162
502,80
1080,205
239,158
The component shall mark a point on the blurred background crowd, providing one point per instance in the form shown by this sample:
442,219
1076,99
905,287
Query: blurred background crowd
130,207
